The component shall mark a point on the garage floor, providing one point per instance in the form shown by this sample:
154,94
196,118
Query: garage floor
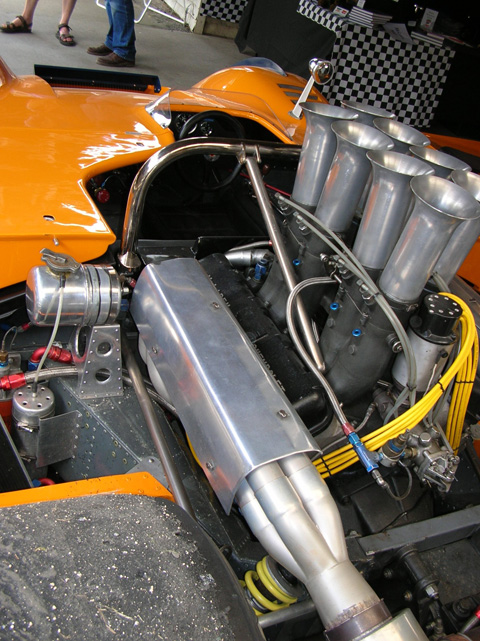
164,47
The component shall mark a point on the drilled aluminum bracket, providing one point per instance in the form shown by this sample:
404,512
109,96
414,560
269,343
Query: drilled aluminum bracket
99,363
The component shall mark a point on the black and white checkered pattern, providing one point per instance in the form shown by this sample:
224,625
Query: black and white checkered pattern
372,67
229,10
326,18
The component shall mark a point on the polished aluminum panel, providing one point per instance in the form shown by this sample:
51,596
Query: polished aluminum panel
56,438
92,295
404,627
233,411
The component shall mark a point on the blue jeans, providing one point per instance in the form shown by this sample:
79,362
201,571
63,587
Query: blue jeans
121,36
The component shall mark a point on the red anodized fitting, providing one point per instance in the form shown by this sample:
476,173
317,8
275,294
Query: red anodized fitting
55,354
13,381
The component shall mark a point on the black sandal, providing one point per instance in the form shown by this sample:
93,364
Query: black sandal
65,39
23,27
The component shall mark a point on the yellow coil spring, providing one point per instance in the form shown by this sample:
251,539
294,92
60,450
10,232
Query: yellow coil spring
278,598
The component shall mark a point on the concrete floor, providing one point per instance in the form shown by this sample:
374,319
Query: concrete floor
164,47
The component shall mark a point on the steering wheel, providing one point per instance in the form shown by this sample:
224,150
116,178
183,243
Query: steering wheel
211,173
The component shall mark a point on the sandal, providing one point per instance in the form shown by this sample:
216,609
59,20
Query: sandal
65,39
23,27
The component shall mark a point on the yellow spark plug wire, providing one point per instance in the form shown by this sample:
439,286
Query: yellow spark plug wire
463,367
462,390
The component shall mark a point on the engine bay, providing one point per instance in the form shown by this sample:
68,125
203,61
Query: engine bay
312,369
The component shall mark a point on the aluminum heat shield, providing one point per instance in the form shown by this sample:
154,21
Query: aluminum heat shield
233,411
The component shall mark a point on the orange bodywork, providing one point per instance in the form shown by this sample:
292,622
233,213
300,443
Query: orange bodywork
462,144
470,269
135,483
56,139
266,96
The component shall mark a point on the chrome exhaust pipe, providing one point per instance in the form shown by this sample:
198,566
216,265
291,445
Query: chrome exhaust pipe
388,205
443,164
265,531
348,173
367,113
318,150
403,135
290,510
466,234
440,206
320,569
317,500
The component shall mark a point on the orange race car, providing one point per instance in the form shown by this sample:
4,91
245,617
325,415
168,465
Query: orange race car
238,370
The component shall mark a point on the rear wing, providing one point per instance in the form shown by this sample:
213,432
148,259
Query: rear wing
98,79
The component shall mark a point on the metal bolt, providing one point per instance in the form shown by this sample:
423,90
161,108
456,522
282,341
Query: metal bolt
395,345
215,306
431,592
408,596
425,439
209,465
282,414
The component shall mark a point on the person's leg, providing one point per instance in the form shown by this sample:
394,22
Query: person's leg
67,10
27,14
105,48
109,40
121,37
29,10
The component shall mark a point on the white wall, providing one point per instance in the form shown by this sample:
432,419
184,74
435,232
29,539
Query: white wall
186,9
